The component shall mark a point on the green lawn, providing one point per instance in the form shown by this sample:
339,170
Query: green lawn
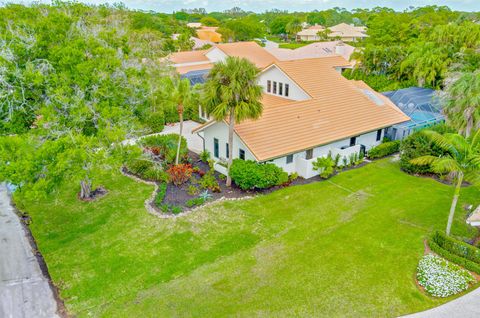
344,247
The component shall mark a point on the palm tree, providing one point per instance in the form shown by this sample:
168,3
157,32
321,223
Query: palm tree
294,27
463,102
232,92
178,92
461,163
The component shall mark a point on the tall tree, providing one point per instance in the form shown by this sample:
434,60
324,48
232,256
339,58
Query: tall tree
293,27
232,92
179,92
463,102
461,163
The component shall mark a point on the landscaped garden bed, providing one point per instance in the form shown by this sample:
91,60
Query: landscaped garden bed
193,182
440,278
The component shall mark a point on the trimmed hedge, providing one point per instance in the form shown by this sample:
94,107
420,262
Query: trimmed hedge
467,264
384,149
249,175
457,247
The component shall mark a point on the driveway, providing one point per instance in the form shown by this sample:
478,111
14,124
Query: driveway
467,306
24,291
194,142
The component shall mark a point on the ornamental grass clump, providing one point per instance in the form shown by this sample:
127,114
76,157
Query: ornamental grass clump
441,278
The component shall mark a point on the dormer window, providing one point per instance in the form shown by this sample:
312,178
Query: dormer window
280,89
269,86
287,88
275,87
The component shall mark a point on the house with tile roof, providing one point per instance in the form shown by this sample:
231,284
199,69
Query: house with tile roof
343,31
309,110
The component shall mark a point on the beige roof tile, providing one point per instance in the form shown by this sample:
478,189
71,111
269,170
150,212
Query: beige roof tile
249,50
188,57
338,110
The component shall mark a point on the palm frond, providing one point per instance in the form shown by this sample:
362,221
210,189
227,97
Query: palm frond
446,165
424,160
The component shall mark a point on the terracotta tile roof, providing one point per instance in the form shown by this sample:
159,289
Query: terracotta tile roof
188,57
188,68
347,30
209,34
314,50
339,109
249,50
315,75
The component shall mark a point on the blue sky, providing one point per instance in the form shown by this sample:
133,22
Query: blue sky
291,5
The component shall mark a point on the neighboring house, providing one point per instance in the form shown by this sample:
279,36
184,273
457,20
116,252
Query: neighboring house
317,49
343,31
195,64
194,25
198,43
209,34
310,110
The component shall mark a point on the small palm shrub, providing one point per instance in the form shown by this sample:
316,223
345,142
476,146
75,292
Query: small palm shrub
325,166
205,156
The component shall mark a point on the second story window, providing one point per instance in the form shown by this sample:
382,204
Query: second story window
269,86
241,154
274,87
287,88
280,88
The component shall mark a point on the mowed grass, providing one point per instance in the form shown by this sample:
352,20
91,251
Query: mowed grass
346,247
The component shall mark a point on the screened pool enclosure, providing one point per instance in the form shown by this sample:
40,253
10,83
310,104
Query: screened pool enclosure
422,105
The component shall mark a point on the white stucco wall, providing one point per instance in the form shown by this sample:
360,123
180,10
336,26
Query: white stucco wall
220,131
275,74
216,55
299,164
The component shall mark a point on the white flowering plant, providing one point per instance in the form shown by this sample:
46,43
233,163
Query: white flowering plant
441,278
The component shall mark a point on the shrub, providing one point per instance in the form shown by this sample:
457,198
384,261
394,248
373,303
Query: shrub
167,146
248,174
179,174
195,202
384,149
209,182
192,190
293,176
414,146
147,170
162,190
205,156
471,266
325,166
441,278
155,121
456,247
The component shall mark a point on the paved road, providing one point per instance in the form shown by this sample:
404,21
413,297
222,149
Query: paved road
24,290
467,306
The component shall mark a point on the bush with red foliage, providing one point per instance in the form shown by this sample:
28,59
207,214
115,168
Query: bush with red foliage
179,174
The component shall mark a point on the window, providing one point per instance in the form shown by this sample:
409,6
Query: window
227,152
379,134
280,88
289,159
215,147
241,154
269,86
353,141
309,154
274,87
287,89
